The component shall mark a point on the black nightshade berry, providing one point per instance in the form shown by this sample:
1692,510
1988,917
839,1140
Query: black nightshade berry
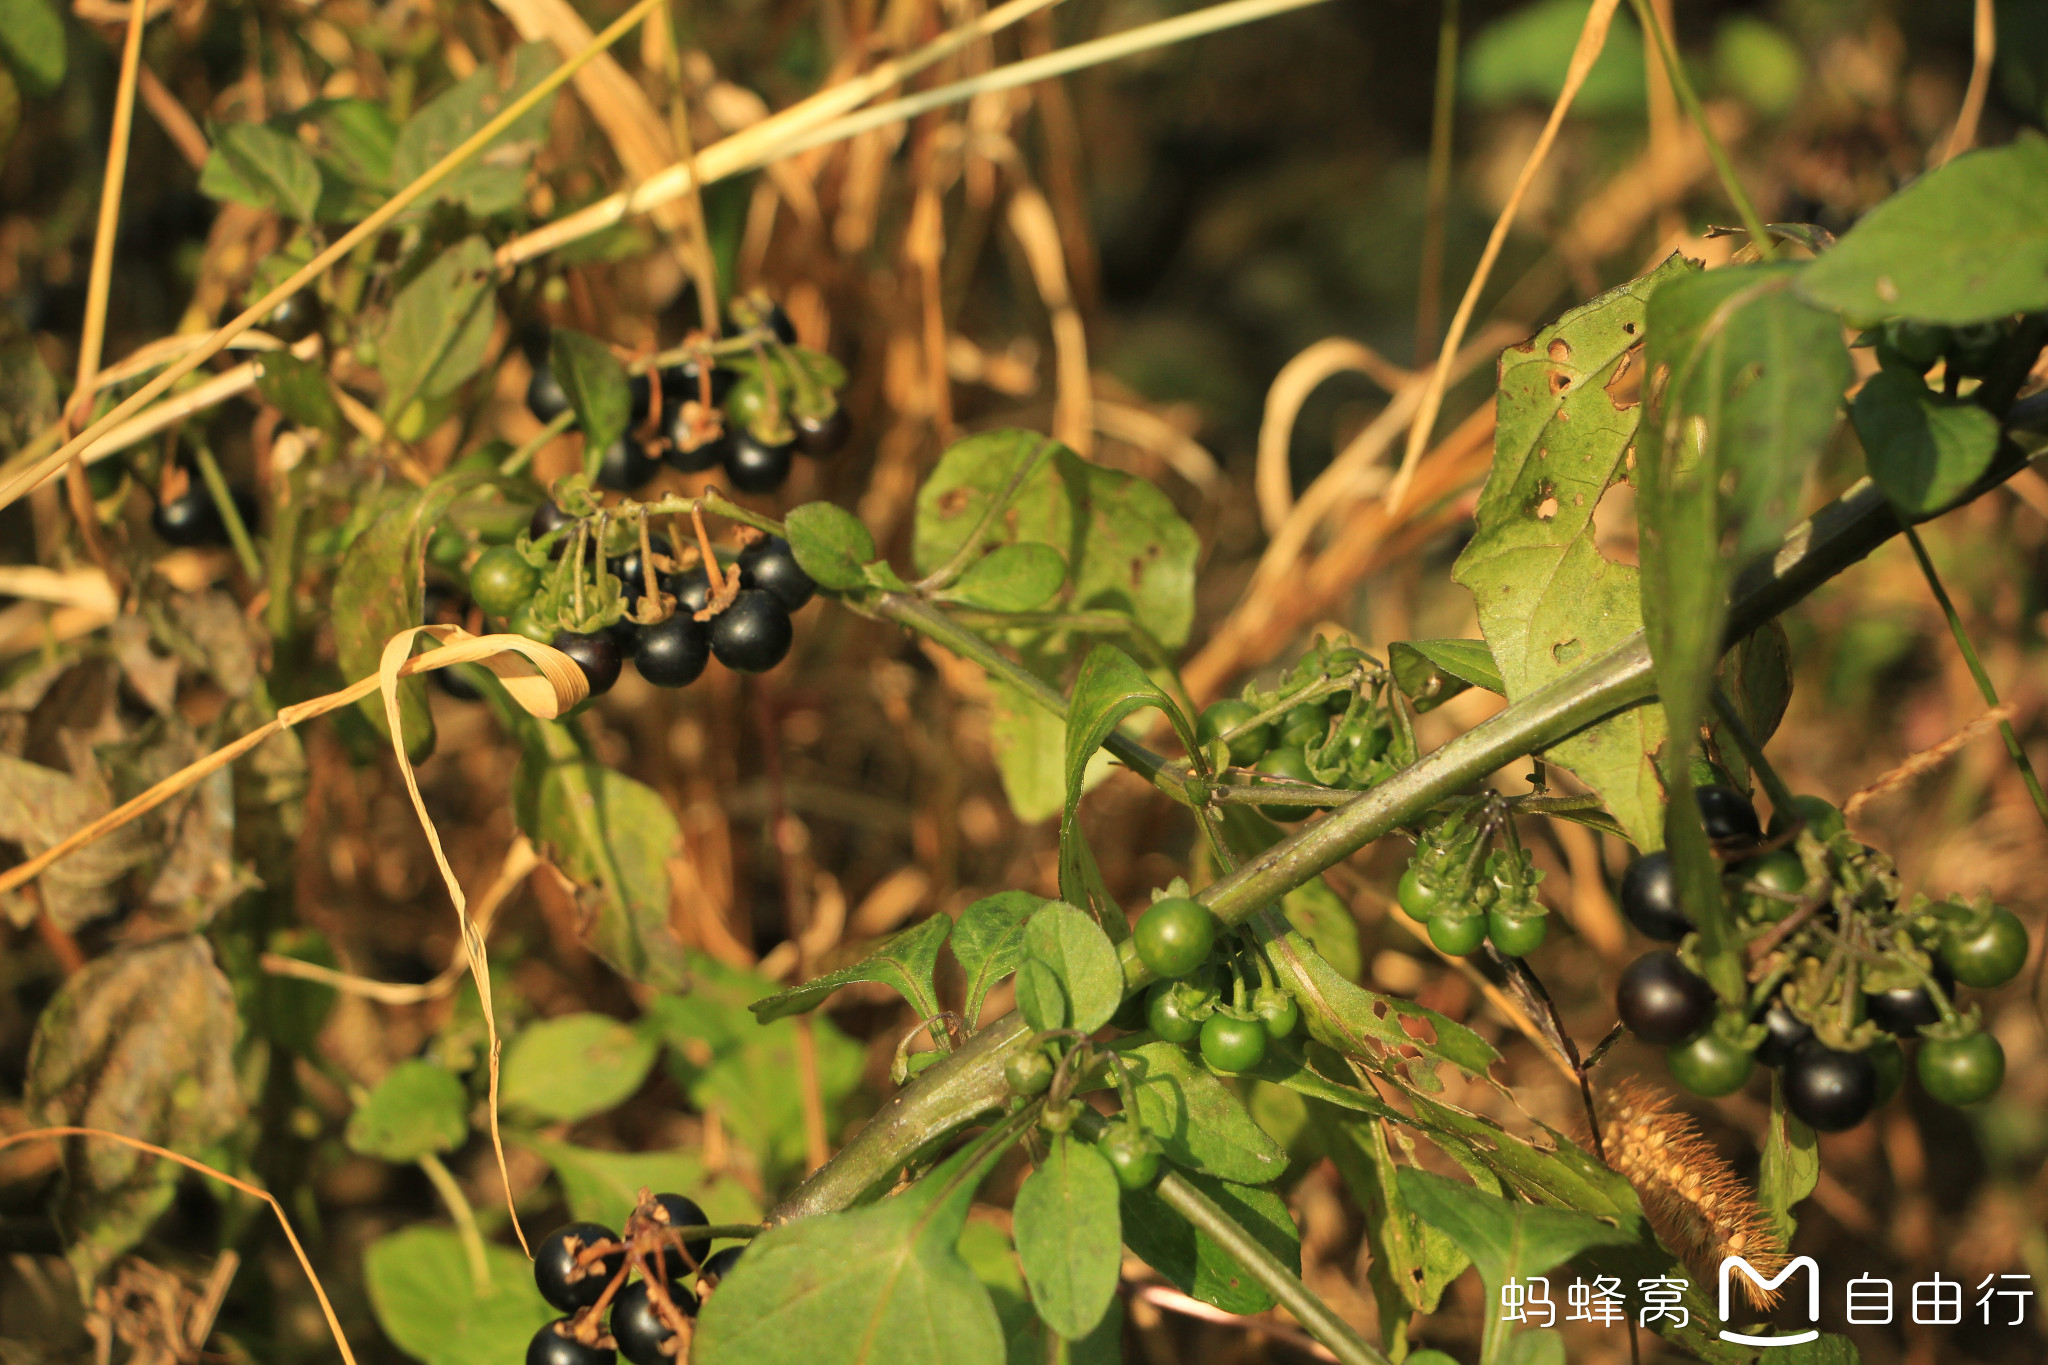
552,1345
753,465
673,653
771,566
1649,898
753,634
546,399
626,465
639,1330
1727,814
823,437
1662,1000
556,1272
596,653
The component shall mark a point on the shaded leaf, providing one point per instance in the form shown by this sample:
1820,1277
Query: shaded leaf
1789,1167
1030,744
1010,578
1327,923
1965,242
575,1066
988,942
1383,1032
1534,1346
1548,600
596,384
41,806
139,1042
439,328
984,1247
830,544
1412,1261
263,167
1067,949
417,1109
493,180
1924,450
299,390
1431,672
32,38
884,1283
1069,1236
600,1186
1197,1119
1160,1237
904,963
421,1291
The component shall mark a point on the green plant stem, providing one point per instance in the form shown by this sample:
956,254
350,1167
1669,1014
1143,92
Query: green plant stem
1753,752
230,515
522,457
466,1230
1263,1266
1681,85
1976,665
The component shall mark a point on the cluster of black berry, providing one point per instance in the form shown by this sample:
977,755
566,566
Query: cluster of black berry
1466,890
748,405
671,627
1839,973
1326,722
626,1295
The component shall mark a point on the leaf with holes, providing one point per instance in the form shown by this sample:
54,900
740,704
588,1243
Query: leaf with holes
1790,1165
988,942
905,963
1548,600
1412,1261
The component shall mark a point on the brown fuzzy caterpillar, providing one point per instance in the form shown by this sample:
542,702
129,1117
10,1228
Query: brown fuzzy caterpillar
1696,1203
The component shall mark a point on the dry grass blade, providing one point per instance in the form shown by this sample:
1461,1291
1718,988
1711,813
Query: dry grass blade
1926,760
1984,42
99,282
256,1191
1297,379
1592,38
34,477
1038,234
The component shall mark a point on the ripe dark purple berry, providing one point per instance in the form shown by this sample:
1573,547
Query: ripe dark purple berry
753,465
823,437
753,634
1830,1091
680,1211
1662,1000
1904,1010
771,566
1784,1033
707,456
718,1267
630,572
565,1283
673,653
1649,898
1727,814
546,399
692,589
626,465
596,653
552,1345
638,1328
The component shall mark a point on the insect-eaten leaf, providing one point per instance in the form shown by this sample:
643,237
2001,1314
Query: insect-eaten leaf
1069,1234
139,1042
575,1066
1924,450
883,1285
417,1110
1010,578
1548,600
1964,243
1070,976
905,962
1431,672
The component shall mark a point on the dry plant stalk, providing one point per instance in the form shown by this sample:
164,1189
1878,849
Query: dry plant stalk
298,1249
1290,389
1697,1204
1984,42
1926,760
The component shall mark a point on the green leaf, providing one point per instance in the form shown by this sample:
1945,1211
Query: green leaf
1380,1031
421,1292
358,139
1431,672
1030,743
439,328
1505,1240
830,545
1966,242
600,1186
1789,1168
1109,688
1523,56
596,384
494,180
1323,918
1548,600
1074,954
1412,1261
768,1119
263,167
1535,1346
1010,578
1160,1237
1748,381
881,1284
1924,450
575,1066
1070,1236
905,963
32,39
299,390
1197,1119
613,836
1127,550
988,942
417,1109
139,1041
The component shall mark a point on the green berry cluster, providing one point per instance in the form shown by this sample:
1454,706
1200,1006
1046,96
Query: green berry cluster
1330,721
1466,890
1176,938
1841,972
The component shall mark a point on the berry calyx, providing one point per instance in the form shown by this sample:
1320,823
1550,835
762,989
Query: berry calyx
1233,1044
1662,1000
1649,898
1963,1070
771,566
673,653
565,1279
1174,936
753,634
1830,1091
1276,1010
1168,1016
637,1326
596,653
